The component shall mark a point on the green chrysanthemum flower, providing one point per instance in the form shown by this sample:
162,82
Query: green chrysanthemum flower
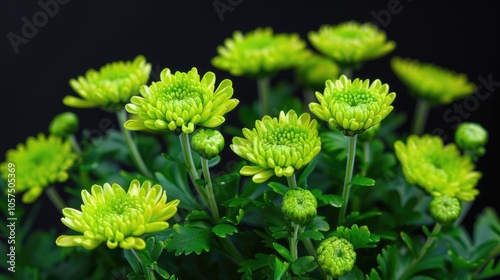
315,69
111,86
438,169
207,143
278,146
444,209
299,205
351,43
471,136
181,101
336,256
259,53
119,218
40,162
353,106
64,124
434,84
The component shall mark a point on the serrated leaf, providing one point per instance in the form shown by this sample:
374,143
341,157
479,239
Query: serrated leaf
186,240
490,270
222,230
363,181
304,265
279,268
329,199
318,223
283,251
197,215
260,261
162,272
311,234
359,237
238,202
409,243
278,188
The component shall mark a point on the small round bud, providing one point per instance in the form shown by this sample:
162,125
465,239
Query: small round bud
369,134
445,209
64,124
336,256
299,206
207,143
471,136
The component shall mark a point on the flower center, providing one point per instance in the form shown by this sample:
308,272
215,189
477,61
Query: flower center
356,98
259,44
285,137
350,34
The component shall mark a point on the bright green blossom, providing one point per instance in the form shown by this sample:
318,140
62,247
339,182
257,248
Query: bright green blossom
40,162
181,101
434,84
471,136
278,146
299,205
351,43
315,69
207,143
119,218
444,209
438,169
259,53
64,124
353,106
336,256
111,86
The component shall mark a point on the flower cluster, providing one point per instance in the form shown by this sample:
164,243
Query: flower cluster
351,43
181,101
119,218
111,86
438,169
40,162
278,146
353,106
259,53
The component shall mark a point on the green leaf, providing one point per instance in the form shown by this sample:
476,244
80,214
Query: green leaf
186,240
318,223
173,191
283,251
360,237
409,243
279,268
308,170
355,216
304,265
278,188
238,202
222,230
260,261
328,199
214,161
162,272
363,181
197,215
490,270
311,234
156,250
132,260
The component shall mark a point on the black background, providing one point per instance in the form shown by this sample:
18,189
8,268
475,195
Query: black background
184,34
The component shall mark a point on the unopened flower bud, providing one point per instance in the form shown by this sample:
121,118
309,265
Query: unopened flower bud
64,124
471,136
299,206
445,209
207,143
336,256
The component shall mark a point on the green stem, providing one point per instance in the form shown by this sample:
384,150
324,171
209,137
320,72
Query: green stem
210,190
366,157
231,251
423,251
292,182
193,173
420,117
351,155
293,241
134,152
55,198
263,85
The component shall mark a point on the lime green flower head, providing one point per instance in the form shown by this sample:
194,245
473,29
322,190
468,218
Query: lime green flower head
351,43
39,162
119,218
278,146
353,106
438,169
471,136
259,53
181,101
434,84
111,86
336,256
315,69
64,124
444,209
299,205
207,143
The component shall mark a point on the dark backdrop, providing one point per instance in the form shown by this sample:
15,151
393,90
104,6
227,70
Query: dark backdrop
71,36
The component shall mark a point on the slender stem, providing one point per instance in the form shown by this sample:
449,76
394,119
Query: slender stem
55,198
420,117
423,250
366,157
193,173
293,241
263,85
351,153
134,152
210,190
292,182
232,252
